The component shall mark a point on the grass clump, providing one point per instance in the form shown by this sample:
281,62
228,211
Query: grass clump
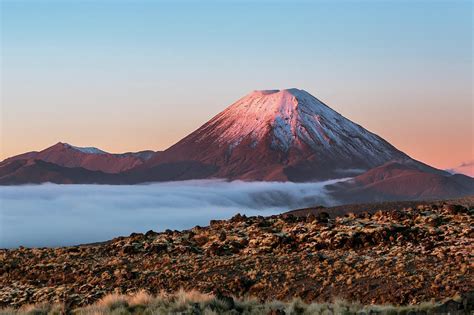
196,303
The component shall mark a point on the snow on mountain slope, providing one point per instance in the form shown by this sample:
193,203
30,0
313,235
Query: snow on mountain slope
293,118
87,150
281,135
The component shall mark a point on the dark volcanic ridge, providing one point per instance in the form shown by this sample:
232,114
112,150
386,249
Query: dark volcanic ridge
398,256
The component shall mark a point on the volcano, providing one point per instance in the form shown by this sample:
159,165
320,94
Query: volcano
281,135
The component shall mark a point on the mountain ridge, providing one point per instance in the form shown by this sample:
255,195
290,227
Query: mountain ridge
89,158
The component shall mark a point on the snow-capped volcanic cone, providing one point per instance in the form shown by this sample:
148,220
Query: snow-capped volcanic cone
281,135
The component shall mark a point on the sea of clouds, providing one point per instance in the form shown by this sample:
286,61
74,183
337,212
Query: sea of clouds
57,215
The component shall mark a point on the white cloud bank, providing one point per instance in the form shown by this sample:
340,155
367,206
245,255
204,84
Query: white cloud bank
57,215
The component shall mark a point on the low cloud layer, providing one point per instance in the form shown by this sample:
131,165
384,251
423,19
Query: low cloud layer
56,215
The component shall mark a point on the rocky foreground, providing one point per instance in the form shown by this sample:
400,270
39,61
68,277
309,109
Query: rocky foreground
399,256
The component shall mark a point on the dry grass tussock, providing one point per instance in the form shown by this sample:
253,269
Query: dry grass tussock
194,302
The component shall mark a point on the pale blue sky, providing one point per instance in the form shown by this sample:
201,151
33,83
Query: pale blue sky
131,75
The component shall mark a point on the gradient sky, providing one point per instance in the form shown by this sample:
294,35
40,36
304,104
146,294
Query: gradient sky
134,75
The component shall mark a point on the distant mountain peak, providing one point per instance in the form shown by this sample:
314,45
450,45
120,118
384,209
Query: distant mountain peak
90,158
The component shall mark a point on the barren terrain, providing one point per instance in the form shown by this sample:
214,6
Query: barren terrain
399,256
